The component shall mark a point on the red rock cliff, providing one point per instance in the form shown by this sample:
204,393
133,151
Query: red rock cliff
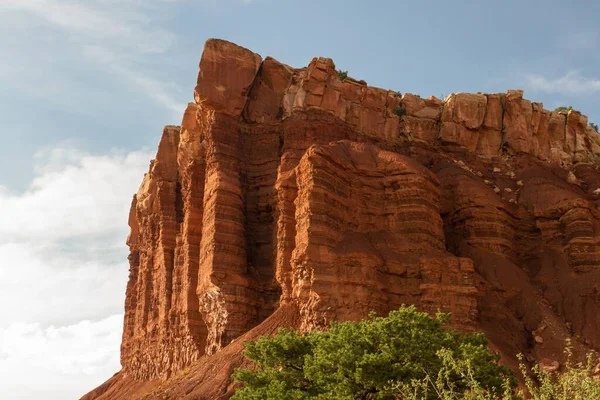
291,198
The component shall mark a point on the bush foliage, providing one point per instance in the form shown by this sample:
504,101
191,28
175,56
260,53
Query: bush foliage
342,74
399,110
563,109
372,359
577,381
406,355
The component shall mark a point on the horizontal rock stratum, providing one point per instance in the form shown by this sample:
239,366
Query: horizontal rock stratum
289,197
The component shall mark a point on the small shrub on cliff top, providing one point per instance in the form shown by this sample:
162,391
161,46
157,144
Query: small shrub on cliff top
342,74
373,359
563,109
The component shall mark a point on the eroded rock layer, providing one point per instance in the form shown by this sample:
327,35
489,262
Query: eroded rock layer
290,191
368,236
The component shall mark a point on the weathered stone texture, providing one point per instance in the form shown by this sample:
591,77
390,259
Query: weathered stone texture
290,196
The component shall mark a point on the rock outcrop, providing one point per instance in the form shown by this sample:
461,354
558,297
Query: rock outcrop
290,197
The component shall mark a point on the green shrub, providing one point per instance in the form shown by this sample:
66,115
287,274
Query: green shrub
576,382
563,109
370,359
594,126
399,110
407,356
342,74
443,387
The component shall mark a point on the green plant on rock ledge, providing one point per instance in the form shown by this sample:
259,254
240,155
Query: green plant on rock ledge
342,74
563,109
399,110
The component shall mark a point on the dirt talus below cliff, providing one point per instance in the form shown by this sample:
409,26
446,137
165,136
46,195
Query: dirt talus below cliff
288,197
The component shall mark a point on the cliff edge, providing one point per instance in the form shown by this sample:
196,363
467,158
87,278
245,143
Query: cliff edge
290,197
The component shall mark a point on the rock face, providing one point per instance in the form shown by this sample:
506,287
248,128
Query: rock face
288,197
367,236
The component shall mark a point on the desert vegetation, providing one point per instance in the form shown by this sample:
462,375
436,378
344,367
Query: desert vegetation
566,109
563,109
400,111
379,358
407,355
342,74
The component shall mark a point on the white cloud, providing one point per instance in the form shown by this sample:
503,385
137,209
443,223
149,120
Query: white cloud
573,82
62,263
81,348
51,283
58,362
62,240
73,194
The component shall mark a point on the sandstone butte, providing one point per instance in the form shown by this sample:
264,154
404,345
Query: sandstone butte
291,198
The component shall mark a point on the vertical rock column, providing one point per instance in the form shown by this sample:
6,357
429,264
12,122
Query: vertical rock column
226,75
154,224
262,145
189,329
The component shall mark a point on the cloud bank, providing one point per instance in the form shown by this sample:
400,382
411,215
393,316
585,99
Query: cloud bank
58,362
572,83
63,272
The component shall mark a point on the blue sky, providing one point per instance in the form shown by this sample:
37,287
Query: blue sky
86,87
107,73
